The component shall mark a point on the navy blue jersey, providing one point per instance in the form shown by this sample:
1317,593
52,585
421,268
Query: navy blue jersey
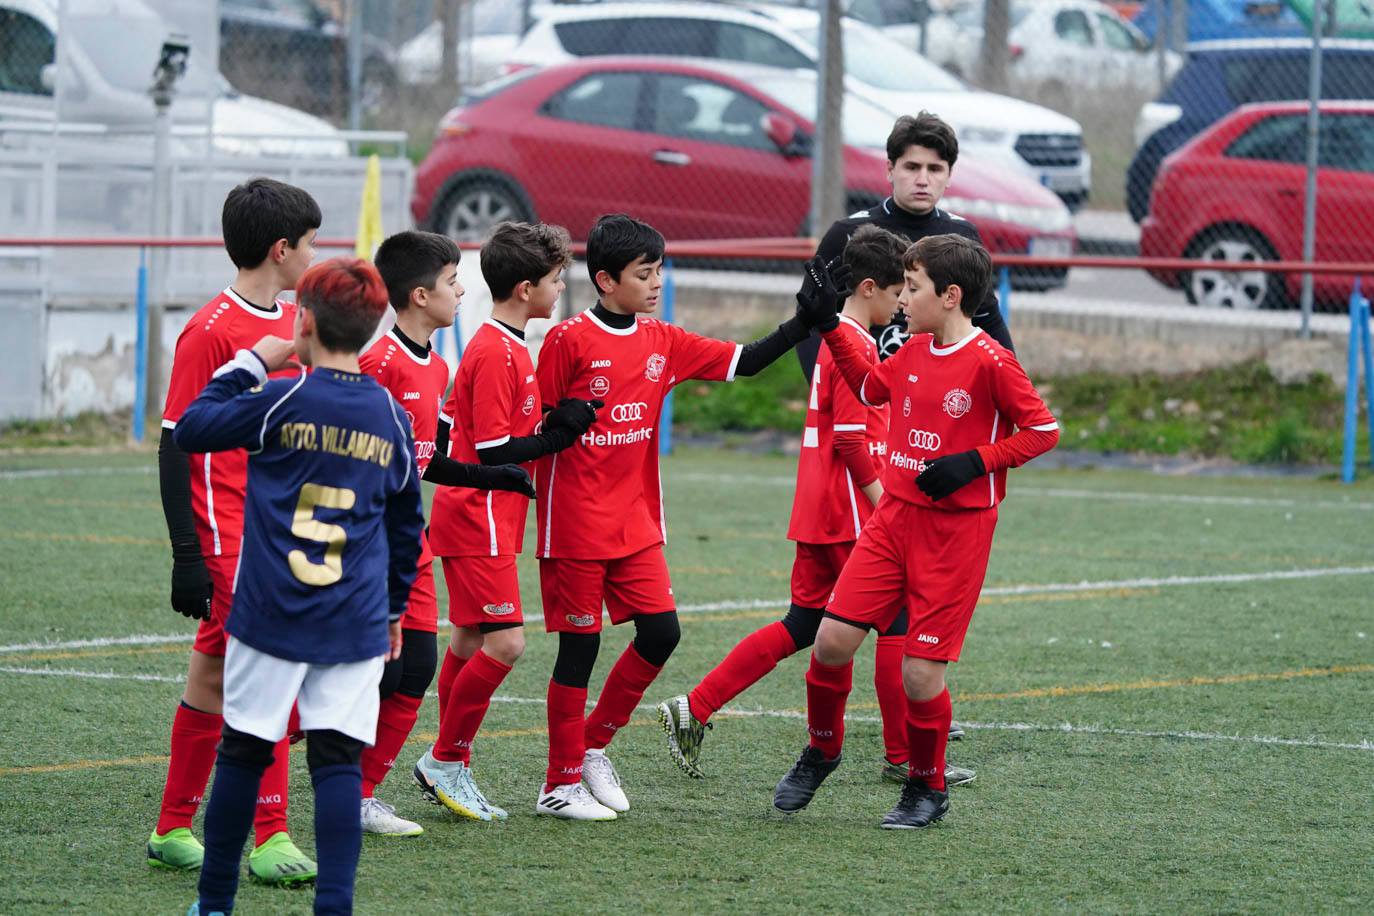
333,513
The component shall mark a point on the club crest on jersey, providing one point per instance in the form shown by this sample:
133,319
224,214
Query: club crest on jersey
580,620
906,407
601,386
504,609
528,407
957,402
653,369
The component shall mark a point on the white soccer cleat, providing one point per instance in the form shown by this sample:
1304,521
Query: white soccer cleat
603,781
379,817
572,802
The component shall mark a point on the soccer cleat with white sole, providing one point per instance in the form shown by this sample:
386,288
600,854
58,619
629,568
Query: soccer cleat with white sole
685,734
381,818
954,775
572,802
603,781
451,786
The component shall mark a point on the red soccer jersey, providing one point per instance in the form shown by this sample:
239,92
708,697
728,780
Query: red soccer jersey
947,400
417,383
600,499
494,399
219,480
829,507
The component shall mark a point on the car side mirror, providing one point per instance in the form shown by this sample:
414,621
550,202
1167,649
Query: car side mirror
785,136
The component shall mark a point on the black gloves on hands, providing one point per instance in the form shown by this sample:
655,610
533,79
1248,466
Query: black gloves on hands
573,414
191,588
825,287
948,473
510,477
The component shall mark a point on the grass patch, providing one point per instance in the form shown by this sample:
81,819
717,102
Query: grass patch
86,428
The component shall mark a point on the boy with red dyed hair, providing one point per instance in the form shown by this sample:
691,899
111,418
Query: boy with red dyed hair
926,546
331,536
420,270
494,414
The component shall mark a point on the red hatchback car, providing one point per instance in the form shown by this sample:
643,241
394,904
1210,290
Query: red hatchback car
1236,192
699,150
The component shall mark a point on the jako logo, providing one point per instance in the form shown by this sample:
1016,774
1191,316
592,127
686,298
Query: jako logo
924,440
600,386
505,609
269,799
957,402
821,732
601,364
527,408
653,369
580,620
926,637
411,396
628,413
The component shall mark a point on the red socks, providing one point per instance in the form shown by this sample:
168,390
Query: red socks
624,688
468,700
887,681
756,655
270,816
447,672
567,735
395,721
927,725
827,689
195,735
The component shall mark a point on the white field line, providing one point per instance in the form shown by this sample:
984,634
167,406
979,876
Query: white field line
1064,728
68,472
766,603
1065,493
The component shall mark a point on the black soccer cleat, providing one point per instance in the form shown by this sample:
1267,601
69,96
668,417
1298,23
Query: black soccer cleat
920,806
799,786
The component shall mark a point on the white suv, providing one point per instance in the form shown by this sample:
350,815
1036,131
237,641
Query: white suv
1032,140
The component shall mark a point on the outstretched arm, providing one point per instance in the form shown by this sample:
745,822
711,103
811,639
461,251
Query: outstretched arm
444,471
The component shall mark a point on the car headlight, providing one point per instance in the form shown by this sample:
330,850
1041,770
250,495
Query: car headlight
1044,219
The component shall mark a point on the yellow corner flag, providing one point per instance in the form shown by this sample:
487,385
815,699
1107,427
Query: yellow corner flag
370,212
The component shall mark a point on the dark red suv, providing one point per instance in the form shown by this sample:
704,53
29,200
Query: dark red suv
698,149
1236,192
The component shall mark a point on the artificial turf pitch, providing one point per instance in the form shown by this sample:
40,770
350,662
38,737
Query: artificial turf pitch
1167,689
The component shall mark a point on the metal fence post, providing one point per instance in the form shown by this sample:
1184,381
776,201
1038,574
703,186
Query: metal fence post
141,345
665,424
1358,341
1309,215
1004,293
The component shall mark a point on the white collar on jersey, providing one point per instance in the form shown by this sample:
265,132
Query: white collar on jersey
401,345
623,332
945,351
250,308
505,330
853,322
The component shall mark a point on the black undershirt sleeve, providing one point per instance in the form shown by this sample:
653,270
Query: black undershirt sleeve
444,470
761,353
174,477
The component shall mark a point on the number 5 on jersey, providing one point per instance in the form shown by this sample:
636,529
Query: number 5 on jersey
305,526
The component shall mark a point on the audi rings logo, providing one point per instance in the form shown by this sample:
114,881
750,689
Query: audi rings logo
629,413
925,441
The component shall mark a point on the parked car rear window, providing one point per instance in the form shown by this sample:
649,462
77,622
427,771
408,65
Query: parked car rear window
604,99
700,109
1272,78
1344,141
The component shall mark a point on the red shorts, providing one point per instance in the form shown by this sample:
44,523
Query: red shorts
815,570
931,560
482,590
422,607
574,590
210,636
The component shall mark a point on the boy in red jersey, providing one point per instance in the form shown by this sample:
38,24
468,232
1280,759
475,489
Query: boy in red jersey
269,235
837,487
600,508
420,270
926,546
494,413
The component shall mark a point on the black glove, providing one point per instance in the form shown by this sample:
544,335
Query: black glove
191,588
574,414
825,287
948,473
510,477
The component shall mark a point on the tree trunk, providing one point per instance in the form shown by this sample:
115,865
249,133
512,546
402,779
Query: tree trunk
448,62
992,71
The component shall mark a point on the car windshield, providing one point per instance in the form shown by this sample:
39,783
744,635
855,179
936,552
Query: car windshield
873,58
128,63
865,124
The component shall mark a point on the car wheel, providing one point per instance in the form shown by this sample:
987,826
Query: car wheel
1243,289
476,203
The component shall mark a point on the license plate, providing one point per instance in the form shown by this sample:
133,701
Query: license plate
1064,181
1051,248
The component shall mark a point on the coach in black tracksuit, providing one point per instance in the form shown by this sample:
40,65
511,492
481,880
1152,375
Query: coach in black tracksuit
920,155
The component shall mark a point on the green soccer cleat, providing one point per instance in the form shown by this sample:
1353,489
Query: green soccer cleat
176,849
685,734
954,775
278,861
